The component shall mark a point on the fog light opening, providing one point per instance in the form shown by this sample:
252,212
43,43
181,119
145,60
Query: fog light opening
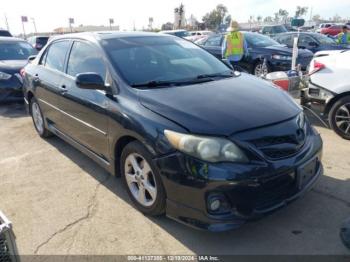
217,204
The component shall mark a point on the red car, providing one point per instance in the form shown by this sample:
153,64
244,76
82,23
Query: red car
332,30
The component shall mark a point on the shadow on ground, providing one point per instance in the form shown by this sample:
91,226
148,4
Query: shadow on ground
12,110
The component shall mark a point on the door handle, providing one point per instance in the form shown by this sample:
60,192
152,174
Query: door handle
36,79
63,89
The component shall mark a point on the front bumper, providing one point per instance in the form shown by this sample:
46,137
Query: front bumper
11,90
252,190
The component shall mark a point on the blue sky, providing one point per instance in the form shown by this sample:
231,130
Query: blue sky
52,14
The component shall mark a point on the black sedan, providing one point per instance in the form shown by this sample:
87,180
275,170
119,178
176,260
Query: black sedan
312,41
209,147
260,47
13,57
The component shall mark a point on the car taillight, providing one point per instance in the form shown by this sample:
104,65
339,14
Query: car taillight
317,67
22,72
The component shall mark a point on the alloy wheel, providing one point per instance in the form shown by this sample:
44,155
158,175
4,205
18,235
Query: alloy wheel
260,70
140,180
342,118
37,117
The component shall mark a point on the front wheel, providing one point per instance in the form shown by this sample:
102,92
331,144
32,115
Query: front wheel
142,180
339,117
38,119
261,69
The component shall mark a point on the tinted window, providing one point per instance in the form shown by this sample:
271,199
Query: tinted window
324,40
279,29
305,40
42,40
285,39
213,41
258,40
84,58
5,33
146,59
16,50
56,55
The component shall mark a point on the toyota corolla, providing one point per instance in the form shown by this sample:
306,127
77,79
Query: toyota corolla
191,139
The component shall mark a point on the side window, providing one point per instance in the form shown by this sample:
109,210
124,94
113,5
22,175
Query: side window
305,40
286,39
214,41
55,55
85,58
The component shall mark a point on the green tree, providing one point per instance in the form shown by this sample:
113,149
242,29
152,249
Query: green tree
268,19
259,18
301,11
213,19
283,14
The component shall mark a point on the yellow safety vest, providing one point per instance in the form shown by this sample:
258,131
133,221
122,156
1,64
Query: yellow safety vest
234,41
340,37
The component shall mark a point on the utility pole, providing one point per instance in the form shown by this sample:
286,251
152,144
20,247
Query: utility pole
111,22
24,19
71,21
7,23
33,20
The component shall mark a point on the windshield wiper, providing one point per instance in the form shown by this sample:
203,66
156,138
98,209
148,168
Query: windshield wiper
154,83
224,75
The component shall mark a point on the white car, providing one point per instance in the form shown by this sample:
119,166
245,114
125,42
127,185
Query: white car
196,35
329,88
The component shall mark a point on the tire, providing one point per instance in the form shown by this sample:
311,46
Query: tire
142,180
259,66
339,117
38,119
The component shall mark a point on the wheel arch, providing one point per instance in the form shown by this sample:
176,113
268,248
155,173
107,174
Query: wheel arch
333,101
121,143
30,96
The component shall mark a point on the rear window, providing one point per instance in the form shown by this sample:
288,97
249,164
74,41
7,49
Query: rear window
5,33
16,50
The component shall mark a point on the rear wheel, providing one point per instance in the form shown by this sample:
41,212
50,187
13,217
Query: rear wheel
142,180
38,119
339,117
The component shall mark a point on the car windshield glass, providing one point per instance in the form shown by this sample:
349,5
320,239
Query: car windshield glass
258,40
42,40
324,40
279,29
182,34
16,51
161,59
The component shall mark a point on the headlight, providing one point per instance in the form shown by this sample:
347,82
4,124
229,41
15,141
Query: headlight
206,148
4,76
282,57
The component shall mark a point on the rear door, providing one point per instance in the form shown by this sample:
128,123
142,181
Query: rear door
47,78
85,117
214,45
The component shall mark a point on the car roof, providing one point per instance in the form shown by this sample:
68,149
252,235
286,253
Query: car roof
11,39
173,31
101,35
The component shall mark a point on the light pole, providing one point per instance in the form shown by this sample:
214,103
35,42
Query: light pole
24,20
71,21
7,23
111,22
33,20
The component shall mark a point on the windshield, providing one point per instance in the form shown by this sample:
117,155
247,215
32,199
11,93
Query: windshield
160,58
16,51
42,40
182,34
258,40
324,40
279,29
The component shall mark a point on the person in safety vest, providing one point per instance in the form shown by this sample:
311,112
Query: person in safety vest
344,37
234,46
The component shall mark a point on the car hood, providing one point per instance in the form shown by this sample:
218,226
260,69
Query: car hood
12,66
284,50
221,107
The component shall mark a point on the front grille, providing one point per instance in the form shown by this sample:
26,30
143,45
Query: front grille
278,147
4,250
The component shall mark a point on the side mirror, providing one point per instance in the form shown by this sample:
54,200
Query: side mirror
90,81
313,44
